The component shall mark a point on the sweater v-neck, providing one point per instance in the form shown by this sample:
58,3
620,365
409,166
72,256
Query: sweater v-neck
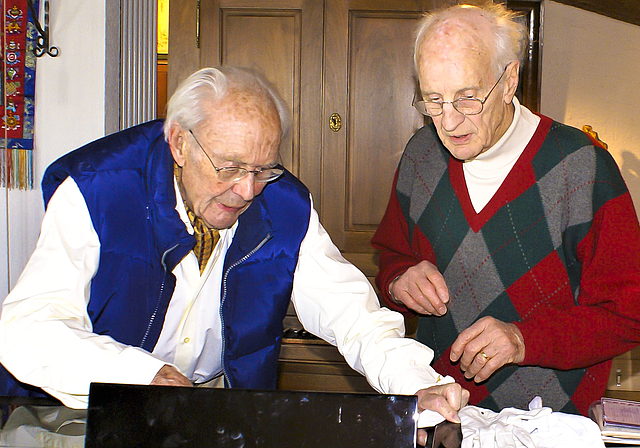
517,181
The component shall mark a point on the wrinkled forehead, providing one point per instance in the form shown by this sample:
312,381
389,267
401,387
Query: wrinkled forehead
456,45
244,105
243,127
465,35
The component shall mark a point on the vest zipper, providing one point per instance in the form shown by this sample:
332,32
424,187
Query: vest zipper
224,295
155,311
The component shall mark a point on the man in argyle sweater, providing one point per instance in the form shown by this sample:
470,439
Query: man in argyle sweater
513,236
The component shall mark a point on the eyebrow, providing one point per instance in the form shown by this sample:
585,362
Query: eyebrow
459,91
241,164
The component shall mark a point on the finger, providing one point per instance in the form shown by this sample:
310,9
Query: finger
422,437
170,376
425,297
429,297
490,366
407,291
445,399
480,362
444,408
423,289
455,395
467,336
437,280
486,372
464,400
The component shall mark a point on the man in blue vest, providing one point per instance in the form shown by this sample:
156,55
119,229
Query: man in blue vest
169,253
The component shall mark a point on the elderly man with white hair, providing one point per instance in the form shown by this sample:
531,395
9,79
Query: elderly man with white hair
512,236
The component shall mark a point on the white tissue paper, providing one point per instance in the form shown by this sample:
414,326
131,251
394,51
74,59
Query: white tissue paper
538,427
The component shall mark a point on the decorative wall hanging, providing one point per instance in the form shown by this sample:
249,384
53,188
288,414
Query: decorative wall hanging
17,71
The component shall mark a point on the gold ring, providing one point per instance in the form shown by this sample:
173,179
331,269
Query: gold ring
484,355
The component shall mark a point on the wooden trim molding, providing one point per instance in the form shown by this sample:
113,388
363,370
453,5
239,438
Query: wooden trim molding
625,10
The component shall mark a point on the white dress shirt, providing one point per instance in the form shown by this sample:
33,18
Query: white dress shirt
46,336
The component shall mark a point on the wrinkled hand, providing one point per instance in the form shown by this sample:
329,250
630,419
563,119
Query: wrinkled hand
170,376
486,346
446,400
422,289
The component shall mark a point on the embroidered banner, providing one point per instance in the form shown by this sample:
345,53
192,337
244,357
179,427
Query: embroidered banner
18,71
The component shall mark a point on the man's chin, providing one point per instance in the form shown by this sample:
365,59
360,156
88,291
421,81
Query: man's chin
220,224
463,152
224,220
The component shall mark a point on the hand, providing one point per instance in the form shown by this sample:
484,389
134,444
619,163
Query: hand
422,289
170,376
446,400
486,346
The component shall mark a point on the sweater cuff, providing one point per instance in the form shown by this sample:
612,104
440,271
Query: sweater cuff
535,344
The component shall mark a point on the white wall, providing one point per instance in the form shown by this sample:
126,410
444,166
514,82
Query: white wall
590,70
69,111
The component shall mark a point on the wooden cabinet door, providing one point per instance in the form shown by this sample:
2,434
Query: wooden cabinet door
369,81
282,39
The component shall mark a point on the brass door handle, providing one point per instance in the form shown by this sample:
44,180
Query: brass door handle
335,122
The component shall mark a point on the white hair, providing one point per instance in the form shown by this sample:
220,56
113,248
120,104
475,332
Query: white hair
191,103
509,32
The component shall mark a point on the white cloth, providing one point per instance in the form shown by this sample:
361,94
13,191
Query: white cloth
46,335
485,173
44,427
537,428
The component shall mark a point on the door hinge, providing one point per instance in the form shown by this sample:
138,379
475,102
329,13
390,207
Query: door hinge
198,24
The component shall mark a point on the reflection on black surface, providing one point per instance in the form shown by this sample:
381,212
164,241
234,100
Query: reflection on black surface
148,416
444,435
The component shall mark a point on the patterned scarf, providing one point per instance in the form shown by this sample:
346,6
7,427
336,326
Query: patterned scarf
206,238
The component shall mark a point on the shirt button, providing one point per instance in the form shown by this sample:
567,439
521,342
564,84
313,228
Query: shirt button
186,340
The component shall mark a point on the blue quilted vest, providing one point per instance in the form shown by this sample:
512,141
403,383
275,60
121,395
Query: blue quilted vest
127,182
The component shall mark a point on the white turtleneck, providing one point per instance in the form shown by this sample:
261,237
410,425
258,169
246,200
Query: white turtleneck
485,173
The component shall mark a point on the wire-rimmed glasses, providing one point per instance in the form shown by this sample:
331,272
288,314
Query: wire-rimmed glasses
236,173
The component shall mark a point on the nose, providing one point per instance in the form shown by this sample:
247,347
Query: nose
246,187
451,118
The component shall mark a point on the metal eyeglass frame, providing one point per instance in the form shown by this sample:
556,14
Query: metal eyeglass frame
421,105
273,173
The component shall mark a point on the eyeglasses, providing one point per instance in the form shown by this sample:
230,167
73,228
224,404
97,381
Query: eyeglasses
236,173
466,106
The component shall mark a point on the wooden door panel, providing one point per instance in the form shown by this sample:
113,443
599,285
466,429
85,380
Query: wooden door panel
381,118
370,82
184,52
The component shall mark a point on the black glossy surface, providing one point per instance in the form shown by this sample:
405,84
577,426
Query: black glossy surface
147,416
444,435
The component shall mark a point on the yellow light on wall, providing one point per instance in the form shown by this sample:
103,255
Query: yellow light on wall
163,27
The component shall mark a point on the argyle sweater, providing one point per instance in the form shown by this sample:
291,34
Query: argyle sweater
556,251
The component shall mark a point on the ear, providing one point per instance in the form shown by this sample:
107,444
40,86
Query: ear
512,78
177,144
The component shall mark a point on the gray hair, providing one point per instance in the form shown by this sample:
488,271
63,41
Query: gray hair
509,32
191,103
